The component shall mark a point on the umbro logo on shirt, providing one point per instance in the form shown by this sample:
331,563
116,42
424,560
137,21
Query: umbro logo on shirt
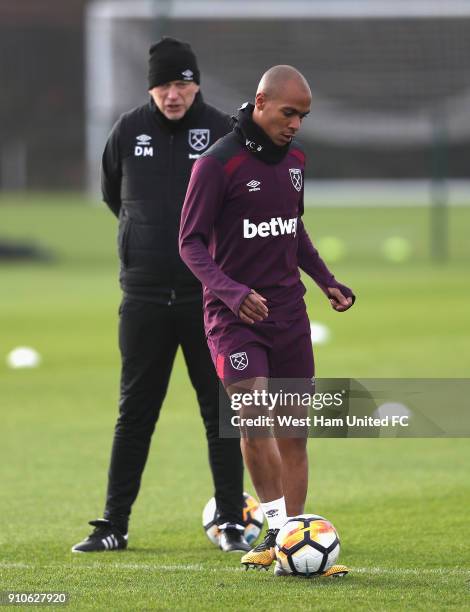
143,147
253,185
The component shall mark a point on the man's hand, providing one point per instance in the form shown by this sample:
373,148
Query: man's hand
338,301
253,308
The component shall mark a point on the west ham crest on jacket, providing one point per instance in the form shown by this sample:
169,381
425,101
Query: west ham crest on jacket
199,139
296,178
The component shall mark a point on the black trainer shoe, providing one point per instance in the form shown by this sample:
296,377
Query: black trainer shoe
264,554
104,537
232,538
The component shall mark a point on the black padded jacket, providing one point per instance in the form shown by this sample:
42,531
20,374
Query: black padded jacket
145,171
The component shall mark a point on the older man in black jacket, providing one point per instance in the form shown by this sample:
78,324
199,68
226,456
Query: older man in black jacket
145,171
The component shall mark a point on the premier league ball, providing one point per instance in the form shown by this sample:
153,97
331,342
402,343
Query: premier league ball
253,519
307,545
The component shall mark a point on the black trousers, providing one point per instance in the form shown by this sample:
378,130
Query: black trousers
149,336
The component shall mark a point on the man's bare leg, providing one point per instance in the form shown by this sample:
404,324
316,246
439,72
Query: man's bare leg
260,452
263,460
294,473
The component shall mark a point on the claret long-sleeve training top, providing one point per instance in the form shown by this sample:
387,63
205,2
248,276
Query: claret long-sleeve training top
241,229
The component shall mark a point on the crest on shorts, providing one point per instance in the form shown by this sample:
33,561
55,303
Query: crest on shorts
296,178
239,361
199,139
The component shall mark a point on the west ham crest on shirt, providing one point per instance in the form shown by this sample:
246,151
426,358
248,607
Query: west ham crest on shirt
296,178
199,139
239,361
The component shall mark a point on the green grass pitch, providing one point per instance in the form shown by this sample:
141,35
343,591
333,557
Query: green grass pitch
400,506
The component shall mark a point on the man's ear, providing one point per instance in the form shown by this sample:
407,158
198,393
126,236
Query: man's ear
260,100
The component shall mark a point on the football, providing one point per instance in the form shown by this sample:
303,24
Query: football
307,545
253,519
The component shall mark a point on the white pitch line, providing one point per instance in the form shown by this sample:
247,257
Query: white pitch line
442,571
403,571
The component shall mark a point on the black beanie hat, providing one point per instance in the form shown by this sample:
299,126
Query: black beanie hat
171,60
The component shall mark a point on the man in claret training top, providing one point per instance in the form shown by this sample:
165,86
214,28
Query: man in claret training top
242,235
